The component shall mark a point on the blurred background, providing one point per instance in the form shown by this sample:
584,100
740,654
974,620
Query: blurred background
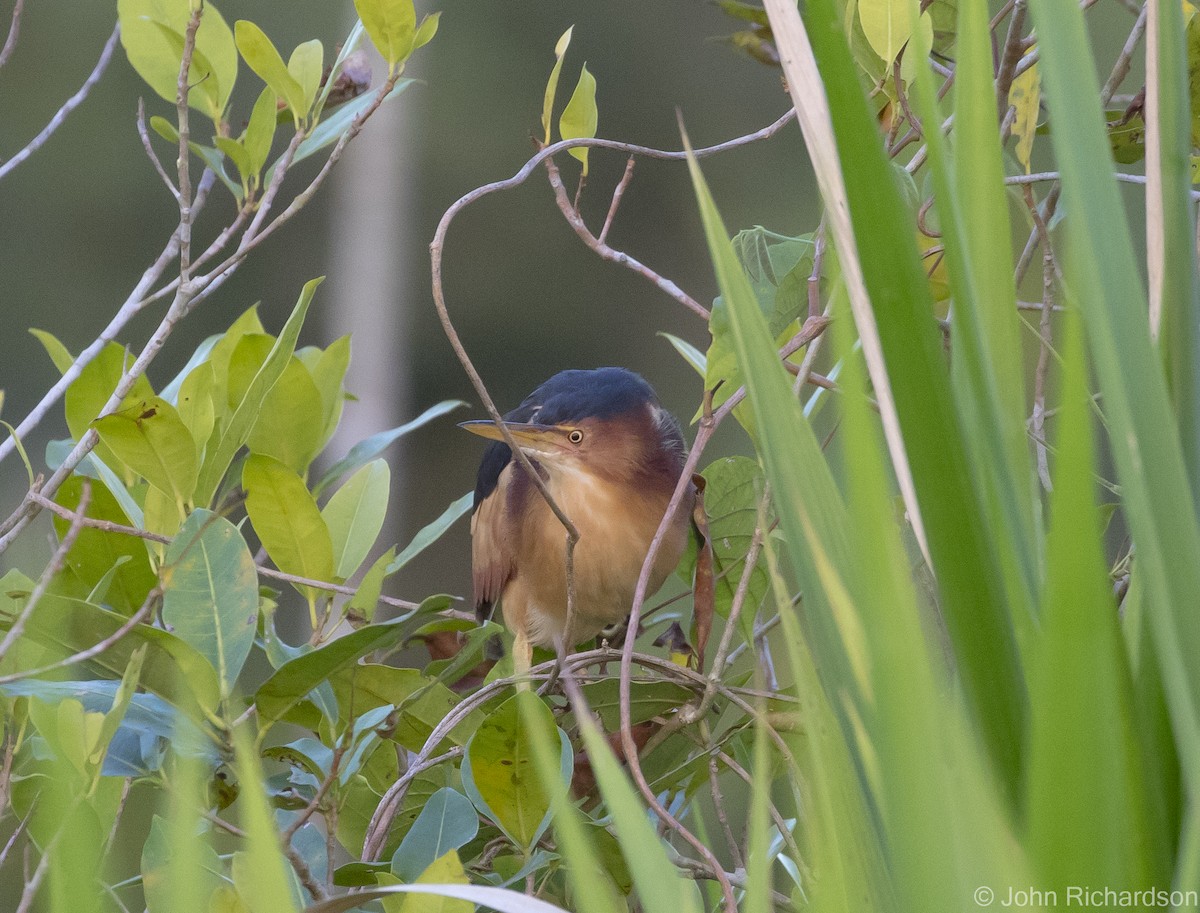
86,214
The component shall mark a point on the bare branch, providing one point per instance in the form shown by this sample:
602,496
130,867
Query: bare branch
14,32
60,116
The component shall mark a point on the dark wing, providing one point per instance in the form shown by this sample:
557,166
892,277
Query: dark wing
492,558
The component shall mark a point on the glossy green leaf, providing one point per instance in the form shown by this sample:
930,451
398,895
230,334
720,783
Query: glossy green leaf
260,132
58,353
560,50
236,431
292,681
329,374
499,774
355,514
90,391
147,27
431,532
151,439
237,154
580,116
366,450
287,520
195,404
426,30
446,823
392,25
305,66
290,423
210,593
886,25
212,157
270,886
261,56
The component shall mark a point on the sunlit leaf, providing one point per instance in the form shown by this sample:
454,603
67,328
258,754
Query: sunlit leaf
580,117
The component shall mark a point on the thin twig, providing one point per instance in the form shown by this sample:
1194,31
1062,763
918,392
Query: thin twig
60,116
150,153
183,163
602,250
583,714
1011,55
618,192
57,560
14,31
142,614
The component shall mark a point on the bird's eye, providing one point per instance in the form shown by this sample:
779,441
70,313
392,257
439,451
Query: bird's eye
575,436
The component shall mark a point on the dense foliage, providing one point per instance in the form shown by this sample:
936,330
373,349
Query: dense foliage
955,651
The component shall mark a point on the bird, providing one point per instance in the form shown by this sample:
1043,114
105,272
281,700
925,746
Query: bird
611,457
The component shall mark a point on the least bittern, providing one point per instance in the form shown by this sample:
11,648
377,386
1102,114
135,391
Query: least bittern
611,457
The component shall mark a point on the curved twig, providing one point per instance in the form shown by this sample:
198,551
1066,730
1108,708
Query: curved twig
69,105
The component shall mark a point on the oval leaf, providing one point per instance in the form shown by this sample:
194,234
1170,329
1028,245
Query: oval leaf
447,822
499,773
579,117
355,514
152,440
210,593
392,25
287,520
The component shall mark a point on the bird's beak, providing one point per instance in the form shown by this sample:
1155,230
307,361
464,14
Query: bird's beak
537,438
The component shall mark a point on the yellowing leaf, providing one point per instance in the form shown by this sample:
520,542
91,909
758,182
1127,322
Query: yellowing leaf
560,51
1025,96
445,870
260,54
152,440
886,25
305,67
392,25
579,118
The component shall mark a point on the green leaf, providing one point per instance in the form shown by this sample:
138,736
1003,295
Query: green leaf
446,823
90,391
431,532
366,450
305,67
560,50
658,883
886,25
1101,272
446,870
969,577
261,873
261,56
260,132
426,30
392,25
1082,692
210,593
329,374
499,774
355,515
237,154
333,127
172,669
290,423
195,403
213,158
580,117
58,353
97,552
235,432
152,34
362,604
152,440
287,520
292,681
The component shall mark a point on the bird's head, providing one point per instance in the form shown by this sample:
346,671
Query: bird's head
606,422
